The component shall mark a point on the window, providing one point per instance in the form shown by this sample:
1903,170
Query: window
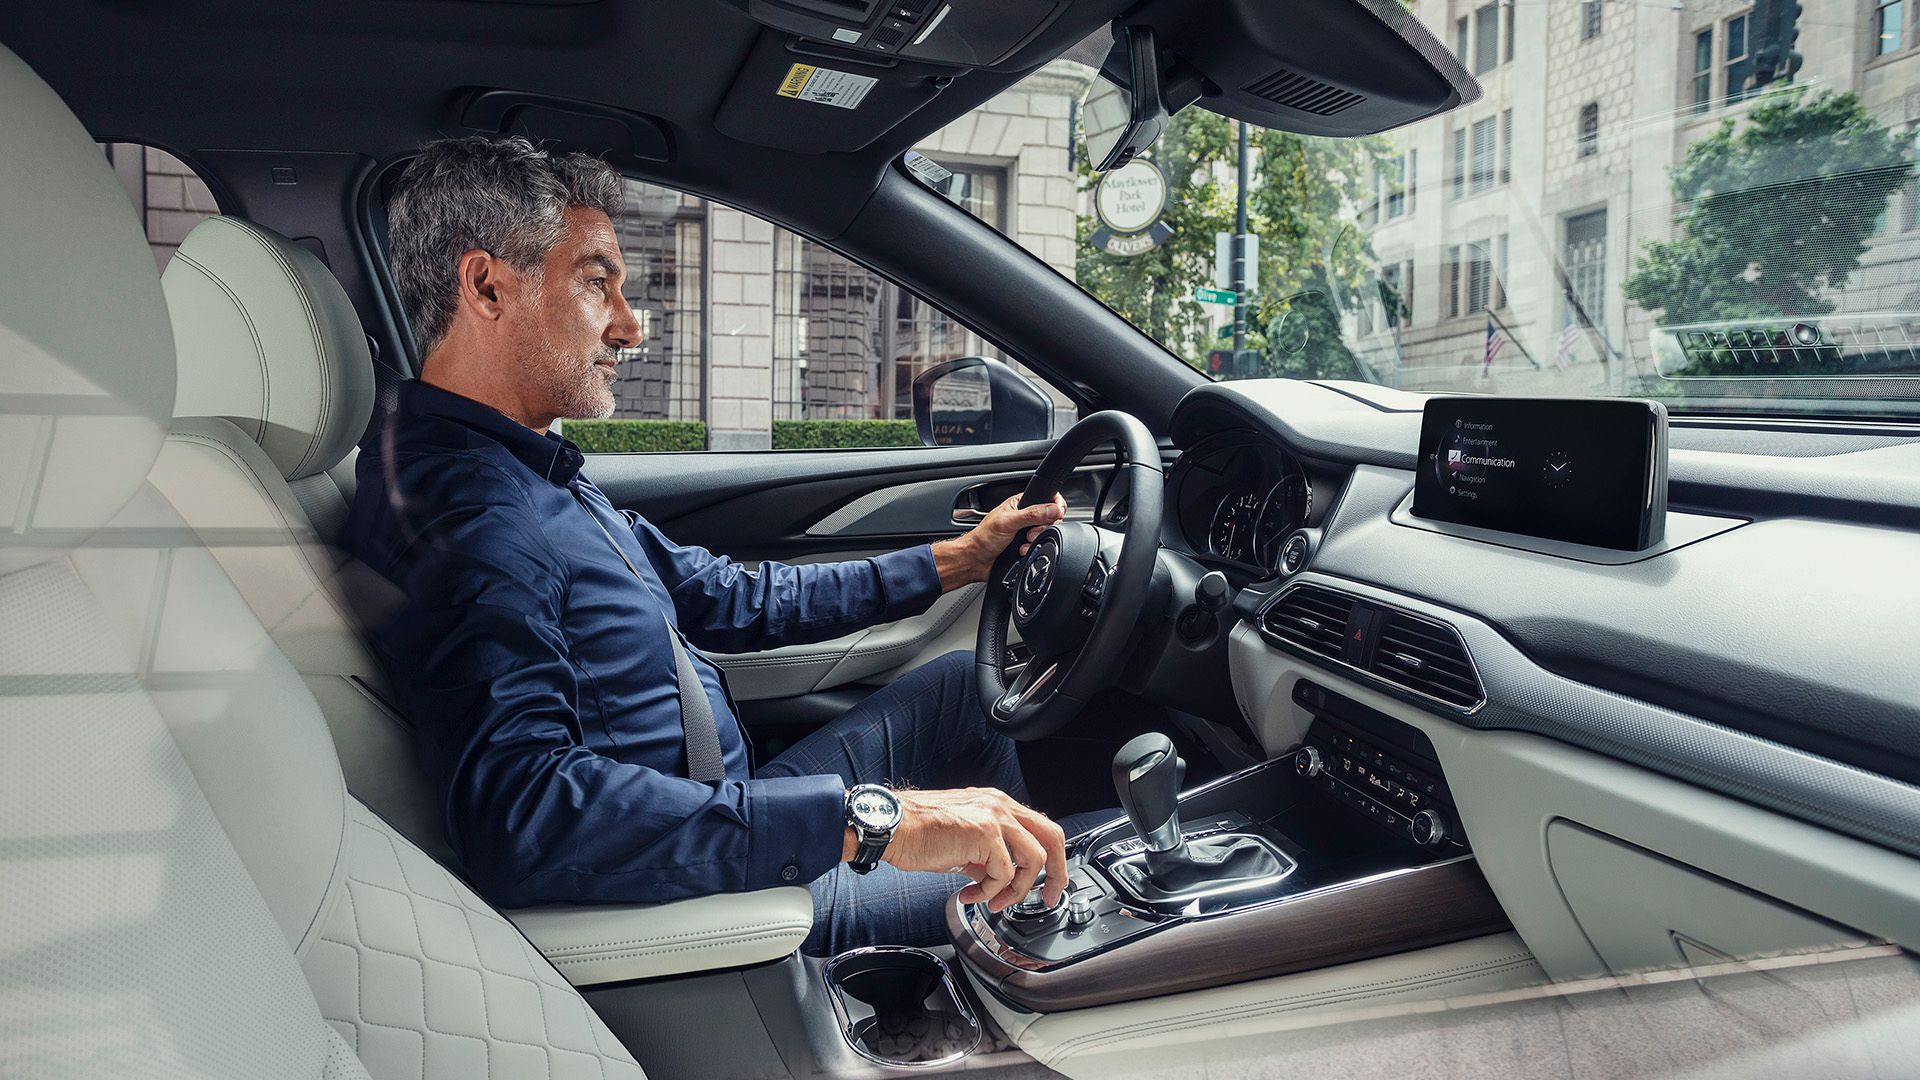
169,198
1589,129
1500,272
1406,292
1452,281
1506,146
1739,65
755,338
1486,39
1886,27
1460,40
663,236
1910,219
1484,150
1583,259
1703,70
1395,179
1479,276
1506,45
1459,138
1589,20
848,343
1392,298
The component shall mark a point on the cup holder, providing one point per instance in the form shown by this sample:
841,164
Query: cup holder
901,1008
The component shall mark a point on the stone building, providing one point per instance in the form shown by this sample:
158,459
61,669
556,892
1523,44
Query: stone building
1528,207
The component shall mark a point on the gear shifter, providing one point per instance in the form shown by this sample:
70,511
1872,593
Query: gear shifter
1146,774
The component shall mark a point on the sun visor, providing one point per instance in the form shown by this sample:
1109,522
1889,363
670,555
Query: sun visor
794,97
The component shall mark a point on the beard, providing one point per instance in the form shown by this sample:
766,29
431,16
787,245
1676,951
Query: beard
577,386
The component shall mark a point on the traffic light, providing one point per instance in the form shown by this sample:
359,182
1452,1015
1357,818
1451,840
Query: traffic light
1775,29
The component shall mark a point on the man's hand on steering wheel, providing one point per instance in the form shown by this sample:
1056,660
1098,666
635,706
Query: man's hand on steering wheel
968,558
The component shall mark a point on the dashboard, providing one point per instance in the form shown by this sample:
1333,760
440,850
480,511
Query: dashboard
1237,496
1689,659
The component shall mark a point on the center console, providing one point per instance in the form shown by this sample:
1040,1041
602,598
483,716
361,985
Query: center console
1348,848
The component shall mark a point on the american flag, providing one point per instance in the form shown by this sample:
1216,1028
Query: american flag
1569,337
1496,340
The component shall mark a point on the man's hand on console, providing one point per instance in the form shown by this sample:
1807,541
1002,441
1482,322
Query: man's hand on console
986,834
968,558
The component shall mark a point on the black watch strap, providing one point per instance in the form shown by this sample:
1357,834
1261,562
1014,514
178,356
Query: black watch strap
867,852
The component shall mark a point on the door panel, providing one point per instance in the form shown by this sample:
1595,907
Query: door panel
809,506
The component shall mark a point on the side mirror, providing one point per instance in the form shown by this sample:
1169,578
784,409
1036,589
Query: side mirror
1120,122
974,401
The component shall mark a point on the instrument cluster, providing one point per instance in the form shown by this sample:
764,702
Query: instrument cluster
1238,497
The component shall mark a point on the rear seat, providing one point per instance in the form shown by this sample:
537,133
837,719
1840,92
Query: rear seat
271,350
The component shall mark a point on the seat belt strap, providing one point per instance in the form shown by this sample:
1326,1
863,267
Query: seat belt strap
697,726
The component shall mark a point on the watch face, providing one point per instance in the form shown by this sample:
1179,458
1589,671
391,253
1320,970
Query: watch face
874,808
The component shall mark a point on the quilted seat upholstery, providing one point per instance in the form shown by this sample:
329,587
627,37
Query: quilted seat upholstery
423,979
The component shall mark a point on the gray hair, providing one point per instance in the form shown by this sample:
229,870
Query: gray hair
502,195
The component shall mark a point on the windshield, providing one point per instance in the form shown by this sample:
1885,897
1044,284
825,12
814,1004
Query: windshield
1623,212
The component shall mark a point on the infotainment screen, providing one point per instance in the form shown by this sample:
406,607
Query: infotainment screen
1582,470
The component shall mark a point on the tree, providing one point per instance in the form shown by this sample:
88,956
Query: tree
1776,211
1313,262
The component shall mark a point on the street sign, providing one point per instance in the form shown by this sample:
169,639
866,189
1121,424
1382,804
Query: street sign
1213,296
1130,198
1223,261
1225,331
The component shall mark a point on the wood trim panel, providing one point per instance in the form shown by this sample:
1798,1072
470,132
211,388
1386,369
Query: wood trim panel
1431,905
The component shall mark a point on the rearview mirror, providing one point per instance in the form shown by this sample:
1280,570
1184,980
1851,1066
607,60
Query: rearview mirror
974,401
1120,122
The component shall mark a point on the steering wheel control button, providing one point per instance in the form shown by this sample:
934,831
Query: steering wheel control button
1307,762
1293,554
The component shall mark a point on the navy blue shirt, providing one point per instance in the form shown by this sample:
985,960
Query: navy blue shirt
537,672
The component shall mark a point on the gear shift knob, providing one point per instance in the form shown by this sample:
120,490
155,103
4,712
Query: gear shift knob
1147,774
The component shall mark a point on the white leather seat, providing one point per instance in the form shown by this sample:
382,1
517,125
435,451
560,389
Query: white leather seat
177,847
275,386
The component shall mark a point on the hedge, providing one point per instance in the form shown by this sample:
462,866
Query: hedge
843,434
635,436
667,436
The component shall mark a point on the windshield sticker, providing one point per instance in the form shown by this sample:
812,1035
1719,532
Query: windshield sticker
826,86
930,172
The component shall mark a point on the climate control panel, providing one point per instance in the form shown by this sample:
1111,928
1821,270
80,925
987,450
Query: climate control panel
1381,768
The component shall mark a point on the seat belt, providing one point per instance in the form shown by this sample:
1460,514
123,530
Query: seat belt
697,725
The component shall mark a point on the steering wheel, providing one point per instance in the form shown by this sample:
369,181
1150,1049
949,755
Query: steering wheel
1077,593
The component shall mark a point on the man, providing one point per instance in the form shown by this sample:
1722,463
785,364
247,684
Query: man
547,644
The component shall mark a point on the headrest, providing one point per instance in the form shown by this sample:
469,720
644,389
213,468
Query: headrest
269,340
86,353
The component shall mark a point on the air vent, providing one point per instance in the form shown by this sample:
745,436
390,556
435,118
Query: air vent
1428,658
1305,93
1311,617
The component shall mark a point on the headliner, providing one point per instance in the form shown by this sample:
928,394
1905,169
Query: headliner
378,77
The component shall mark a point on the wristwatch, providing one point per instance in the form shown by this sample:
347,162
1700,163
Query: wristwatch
873,812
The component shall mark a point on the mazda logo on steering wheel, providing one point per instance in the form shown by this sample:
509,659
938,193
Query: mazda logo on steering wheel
1037,571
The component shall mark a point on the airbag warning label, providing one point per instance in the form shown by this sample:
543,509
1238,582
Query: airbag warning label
826,86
